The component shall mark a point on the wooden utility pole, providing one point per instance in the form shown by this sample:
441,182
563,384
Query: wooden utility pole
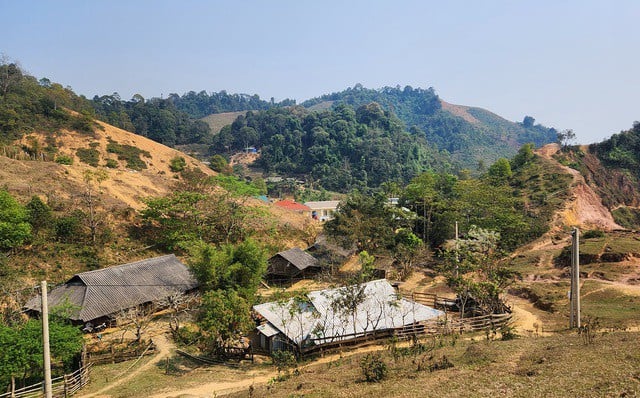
457,255
574,296
45,341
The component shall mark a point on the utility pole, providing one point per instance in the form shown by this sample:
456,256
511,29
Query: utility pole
45,341
457,255
574,296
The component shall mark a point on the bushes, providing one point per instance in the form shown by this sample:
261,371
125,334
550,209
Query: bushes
64,159
373,368
89,156
130,154
177,164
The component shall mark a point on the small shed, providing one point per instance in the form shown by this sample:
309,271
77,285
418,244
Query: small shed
291,264
97,296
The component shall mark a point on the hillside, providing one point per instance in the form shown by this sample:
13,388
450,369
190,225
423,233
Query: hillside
124,187
217,121
470,134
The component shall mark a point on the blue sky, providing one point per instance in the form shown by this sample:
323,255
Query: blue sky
569,64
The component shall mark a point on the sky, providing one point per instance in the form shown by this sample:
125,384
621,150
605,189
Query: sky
568,64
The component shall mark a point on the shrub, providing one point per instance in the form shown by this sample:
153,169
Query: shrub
177,164
112,163
283,360
594,233
373,368
89,156
64,159
130,154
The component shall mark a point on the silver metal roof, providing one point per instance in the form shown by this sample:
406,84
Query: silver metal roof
102,292
325,317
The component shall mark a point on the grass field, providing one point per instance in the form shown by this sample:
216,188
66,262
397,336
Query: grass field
558,366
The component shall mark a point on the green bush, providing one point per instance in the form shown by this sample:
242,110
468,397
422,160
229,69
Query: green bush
64,159
89,156
594,233
129,154
177,164
112,163
373,368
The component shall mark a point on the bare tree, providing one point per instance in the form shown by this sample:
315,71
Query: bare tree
137,318
179,303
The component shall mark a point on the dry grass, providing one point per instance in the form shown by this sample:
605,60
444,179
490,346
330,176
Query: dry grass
557,366
217,121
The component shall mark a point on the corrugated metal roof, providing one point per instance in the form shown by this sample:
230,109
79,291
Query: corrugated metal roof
325,318
292,205
106,291
268,329
298,258
323,204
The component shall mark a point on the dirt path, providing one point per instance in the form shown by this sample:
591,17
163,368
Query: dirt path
586,208
216,388
525,321
163,347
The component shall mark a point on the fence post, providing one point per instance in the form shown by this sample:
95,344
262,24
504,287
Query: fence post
66,386
13,387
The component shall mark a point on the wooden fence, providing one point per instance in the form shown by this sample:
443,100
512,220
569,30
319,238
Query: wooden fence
440,326
63,386
115,356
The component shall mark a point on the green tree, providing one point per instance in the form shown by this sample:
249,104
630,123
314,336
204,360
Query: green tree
21,353
39,214
219,163
500,172
239,268
223,320
14,222
473,269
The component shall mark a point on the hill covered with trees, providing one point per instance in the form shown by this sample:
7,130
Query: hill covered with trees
479,135
338,149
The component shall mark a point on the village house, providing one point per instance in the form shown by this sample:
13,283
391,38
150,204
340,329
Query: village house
291,264
323,317
322,210
98,296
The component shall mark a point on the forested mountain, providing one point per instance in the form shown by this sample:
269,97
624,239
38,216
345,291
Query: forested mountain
156,118
478,135
199,105
340,149
27,104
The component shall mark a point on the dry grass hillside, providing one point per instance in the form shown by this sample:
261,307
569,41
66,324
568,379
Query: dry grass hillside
123,187
217,121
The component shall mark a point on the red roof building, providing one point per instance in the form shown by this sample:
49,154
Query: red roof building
293,206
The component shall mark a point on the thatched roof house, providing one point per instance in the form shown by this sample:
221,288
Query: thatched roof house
94,296
291,264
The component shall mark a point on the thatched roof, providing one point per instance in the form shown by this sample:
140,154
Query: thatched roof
298,258
94,294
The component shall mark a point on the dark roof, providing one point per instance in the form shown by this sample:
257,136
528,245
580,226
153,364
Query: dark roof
298,258
98,293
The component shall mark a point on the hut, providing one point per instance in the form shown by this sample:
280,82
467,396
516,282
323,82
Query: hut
98,296
291,264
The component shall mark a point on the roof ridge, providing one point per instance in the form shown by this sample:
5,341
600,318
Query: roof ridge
80,274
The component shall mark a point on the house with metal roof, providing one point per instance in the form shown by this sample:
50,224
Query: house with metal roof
323,210
291,264
331,315
97,296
